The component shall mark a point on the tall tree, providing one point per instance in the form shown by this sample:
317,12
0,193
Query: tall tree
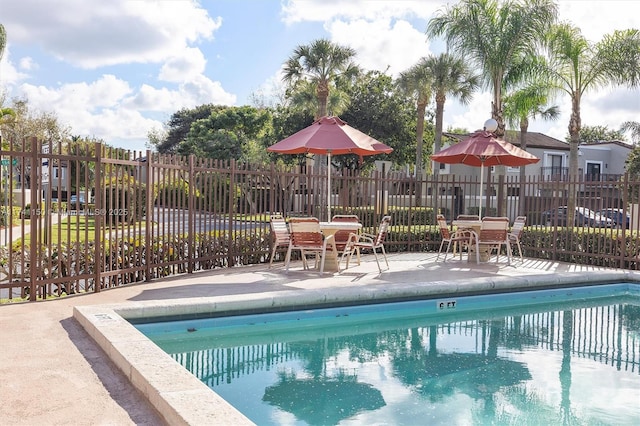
576,66
595,134
380,110
178,127
321,63
6,114
522,105
230,133
497,35
3,40
417,82
634,128
633,162
453,76
303,98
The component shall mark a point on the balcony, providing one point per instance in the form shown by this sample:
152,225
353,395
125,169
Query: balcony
555,174
561,174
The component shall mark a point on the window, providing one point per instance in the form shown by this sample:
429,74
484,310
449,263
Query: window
593,171
442,167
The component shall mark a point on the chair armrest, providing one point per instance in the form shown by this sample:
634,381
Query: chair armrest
367,237
465,233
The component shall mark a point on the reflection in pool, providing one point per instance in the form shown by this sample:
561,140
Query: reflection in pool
567,356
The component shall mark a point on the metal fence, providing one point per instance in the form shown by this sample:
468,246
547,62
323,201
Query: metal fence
84,218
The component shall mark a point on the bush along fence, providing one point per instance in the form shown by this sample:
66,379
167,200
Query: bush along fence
87,218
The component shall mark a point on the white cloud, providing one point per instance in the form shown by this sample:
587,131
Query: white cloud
200,90
471,116
108,91
27,64
110,108
597,18
189,64
380,44
9,74
95,34
294,11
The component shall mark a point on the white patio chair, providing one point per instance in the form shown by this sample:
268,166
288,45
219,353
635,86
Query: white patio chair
375,242
493,235
516,231
307,237
460,239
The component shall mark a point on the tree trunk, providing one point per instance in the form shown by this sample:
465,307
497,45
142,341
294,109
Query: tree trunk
440,99
421,110
574,133
524,125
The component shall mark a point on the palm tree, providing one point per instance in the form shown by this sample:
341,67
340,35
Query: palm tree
634,128
522,105
3,40
451,76
496,36
576,66
6,115
321,63
417,82
303,98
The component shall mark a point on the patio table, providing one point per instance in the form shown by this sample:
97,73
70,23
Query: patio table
330,228
475,225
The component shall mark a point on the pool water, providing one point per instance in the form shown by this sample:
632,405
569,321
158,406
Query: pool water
568,356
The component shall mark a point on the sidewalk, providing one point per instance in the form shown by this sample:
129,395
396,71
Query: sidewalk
16,231
52,372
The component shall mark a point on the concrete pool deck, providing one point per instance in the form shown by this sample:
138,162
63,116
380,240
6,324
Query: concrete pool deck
53,372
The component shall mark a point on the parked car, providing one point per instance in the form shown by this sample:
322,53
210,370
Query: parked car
583,217
620,219
77,202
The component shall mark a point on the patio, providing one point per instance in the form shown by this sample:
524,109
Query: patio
52,372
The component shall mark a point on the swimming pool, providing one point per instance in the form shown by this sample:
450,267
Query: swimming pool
486,359
183,399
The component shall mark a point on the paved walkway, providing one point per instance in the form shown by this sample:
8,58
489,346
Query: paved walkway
52,372
15,233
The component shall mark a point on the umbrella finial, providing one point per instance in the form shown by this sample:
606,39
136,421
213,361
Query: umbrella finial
490,125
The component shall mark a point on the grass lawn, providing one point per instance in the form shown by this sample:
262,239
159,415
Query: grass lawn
69,229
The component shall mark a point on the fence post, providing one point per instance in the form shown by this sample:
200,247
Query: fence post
34,186
501,208
149,213
625,204
232,191
98,218
191,216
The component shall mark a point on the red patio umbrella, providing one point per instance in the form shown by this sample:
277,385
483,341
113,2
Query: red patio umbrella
330,136
483,149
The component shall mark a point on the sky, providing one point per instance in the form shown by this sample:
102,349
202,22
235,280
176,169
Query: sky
118,69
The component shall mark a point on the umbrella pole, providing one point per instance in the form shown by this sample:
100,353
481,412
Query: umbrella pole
329,186
481,179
